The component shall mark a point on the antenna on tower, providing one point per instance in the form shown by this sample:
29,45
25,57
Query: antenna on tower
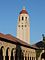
25,4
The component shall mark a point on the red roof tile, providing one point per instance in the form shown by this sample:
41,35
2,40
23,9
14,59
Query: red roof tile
23,12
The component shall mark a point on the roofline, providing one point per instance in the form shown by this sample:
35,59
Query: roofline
17,43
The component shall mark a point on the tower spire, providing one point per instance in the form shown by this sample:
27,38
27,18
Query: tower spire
24,8
23,11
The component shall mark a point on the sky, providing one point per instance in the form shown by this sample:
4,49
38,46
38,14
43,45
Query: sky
9,12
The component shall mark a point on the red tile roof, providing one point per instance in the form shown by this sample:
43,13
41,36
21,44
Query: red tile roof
9,37
23,12
12,38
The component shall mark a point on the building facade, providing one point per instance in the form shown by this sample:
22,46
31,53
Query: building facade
12,48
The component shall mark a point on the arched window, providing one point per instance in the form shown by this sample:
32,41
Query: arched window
22,25
25,58
1,53
25,25
18,25
34,58
30,58
26,18
13,54
22,18
7,54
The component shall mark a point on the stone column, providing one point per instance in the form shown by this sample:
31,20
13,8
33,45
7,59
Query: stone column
4,54
35,58
27,57
31,57
24,56
14,54
42,59
9,54
14,57
3,57
9,57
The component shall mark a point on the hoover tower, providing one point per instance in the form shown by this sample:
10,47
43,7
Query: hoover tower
23,26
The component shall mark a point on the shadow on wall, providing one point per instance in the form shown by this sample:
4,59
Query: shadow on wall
19,54
43,56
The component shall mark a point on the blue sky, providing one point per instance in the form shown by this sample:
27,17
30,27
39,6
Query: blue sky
9,11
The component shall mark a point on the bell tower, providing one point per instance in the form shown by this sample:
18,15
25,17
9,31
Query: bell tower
23,27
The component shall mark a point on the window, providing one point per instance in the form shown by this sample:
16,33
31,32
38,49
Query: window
7,52
22,28
22,18
19,25
25,25
26,18
22,25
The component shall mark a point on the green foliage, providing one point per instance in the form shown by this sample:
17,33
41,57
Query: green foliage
43,38
38,53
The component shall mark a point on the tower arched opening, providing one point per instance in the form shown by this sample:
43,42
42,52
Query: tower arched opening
1,53
7,54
